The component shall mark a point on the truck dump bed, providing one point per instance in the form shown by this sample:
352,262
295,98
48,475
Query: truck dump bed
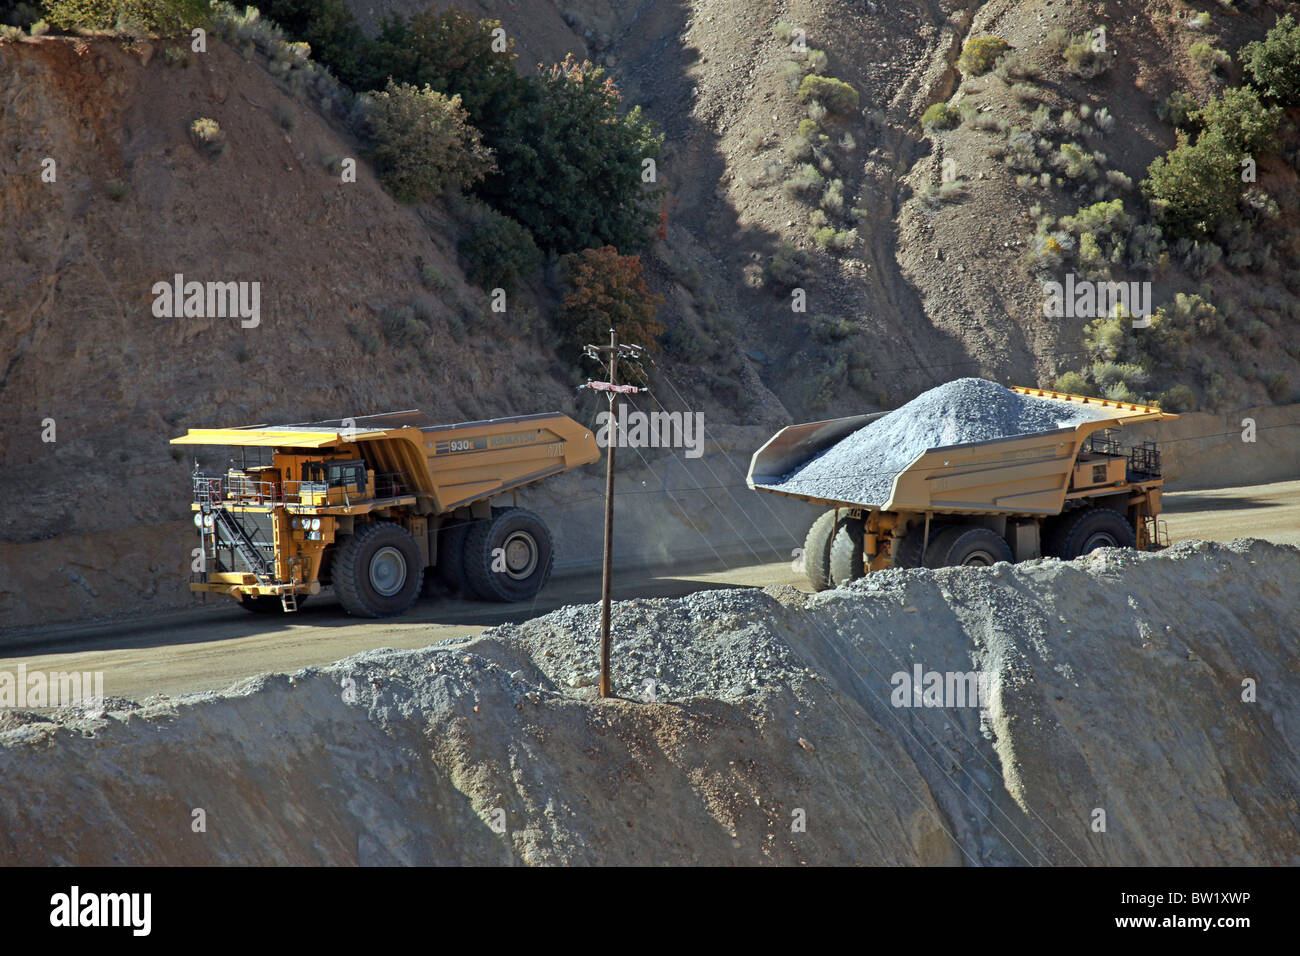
444,466
1023,474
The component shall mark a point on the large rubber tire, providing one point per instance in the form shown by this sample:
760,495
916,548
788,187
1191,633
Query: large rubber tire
528,556
451,554
378,571
975,547
267,604
817,551
941,539
846,552
1080,532
907,550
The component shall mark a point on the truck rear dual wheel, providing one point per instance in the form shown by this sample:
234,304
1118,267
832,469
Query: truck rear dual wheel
817,551
378,570
951,546
846,552
1077,533
509,556
964,546
451,554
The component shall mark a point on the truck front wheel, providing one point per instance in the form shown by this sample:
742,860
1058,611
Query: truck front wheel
378,571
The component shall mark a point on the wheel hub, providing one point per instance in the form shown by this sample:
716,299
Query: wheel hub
521,555
1102,539
387,571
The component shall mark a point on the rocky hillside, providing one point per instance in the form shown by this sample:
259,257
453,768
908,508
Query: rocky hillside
906,280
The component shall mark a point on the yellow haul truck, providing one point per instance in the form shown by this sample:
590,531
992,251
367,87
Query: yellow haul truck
367,504
1059,493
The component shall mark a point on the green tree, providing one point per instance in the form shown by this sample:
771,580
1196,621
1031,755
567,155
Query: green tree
1273,64
573,176
500,252
1247,125
1194,186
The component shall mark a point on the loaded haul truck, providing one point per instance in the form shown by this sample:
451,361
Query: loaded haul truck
1060,493
368,505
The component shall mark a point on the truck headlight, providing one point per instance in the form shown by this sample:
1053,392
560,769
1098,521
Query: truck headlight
209,521
315,524
198,519
295,524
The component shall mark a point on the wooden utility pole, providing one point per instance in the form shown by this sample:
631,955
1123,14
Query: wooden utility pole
607,573
613,351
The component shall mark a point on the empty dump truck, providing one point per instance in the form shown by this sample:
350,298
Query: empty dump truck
368,504
1060,492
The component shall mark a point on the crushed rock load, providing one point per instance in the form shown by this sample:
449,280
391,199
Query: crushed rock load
862,466
768,734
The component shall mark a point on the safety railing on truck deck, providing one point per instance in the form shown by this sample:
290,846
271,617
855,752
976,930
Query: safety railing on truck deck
242,490
1143,459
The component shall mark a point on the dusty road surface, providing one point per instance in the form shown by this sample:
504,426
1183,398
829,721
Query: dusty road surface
210,649
1271,512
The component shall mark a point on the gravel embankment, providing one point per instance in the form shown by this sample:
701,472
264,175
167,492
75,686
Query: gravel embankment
770,734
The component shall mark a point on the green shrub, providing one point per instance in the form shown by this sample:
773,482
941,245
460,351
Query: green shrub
1084,61
1057,40
149,16
1073,383
433,279
1075,162
1194,186
787,267
1247,125
500,251
1178,109
1273,64
401,327
805,181
940,116
836,95
1206,56
980,54
208,137
332,32
423,142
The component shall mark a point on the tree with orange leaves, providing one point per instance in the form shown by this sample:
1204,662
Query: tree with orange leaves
607,290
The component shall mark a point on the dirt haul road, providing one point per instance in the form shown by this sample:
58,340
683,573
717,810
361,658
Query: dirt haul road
187,652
